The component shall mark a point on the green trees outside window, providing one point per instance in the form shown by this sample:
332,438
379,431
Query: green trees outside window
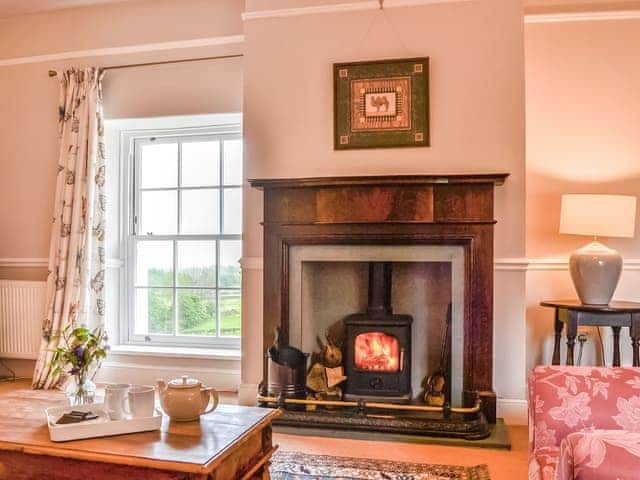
196,306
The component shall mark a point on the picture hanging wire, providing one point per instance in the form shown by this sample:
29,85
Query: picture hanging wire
53,73
381,12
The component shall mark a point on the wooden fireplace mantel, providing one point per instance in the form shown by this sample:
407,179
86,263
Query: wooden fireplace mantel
379,180
389,210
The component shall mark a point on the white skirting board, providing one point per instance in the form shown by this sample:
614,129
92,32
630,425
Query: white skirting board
514,411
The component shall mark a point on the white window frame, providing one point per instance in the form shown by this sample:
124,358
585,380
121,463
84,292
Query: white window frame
130,142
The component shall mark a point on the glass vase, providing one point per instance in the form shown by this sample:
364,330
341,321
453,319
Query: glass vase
81,390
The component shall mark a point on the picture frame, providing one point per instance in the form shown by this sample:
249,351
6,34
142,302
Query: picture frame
381,104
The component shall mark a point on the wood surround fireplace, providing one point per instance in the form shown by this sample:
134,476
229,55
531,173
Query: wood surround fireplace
407,210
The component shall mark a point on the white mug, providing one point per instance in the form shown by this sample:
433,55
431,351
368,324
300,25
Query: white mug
141,401
115,396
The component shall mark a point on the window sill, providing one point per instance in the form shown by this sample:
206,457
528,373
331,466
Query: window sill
181,352
144,364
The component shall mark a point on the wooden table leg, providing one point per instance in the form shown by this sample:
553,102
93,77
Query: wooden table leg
616,346
558,326
572,333
634,332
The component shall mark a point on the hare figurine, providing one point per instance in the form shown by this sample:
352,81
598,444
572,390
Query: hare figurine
327,373
330,353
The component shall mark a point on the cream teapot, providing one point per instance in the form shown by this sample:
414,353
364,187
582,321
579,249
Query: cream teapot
184,399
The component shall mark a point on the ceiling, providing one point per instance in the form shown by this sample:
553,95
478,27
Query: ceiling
580,4
12,8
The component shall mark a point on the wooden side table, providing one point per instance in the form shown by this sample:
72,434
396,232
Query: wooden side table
615,315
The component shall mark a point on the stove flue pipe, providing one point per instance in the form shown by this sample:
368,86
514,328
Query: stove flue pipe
379,289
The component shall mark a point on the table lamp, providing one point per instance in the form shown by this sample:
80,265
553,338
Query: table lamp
595,268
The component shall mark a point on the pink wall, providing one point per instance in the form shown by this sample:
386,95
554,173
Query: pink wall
175,89
28,138
118,24
583,119
561,6
477,116
583,105
28,153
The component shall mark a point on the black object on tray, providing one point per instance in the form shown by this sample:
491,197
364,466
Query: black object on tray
76,417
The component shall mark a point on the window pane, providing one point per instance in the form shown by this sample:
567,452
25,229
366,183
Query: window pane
200,211
159,165
232,210
230,306
197,264
154,311
196,312
230,254
158,212
233,162
200,164
154,264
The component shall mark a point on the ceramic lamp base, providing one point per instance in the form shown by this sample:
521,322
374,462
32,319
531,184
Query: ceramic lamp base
595,271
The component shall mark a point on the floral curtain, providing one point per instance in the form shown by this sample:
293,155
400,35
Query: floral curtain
75,284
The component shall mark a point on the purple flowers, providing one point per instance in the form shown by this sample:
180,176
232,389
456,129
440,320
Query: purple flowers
80,352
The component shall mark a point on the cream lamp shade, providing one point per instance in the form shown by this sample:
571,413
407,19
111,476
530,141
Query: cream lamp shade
595,268
598,215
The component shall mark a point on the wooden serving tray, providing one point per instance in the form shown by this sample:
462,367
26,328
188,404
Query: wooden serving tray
102,426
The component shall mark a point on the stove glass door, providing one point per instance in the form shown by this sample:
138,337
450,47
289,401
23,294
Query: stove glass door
377,351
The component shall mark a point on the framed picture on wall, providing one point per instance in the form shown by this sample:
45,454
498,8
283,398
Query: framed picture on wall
381,104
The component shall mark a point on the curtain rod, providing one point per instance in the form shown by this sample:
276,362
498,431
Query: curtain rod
53,73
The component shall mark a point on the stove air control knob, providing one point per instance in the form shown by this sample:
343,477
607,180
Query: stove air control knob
375,383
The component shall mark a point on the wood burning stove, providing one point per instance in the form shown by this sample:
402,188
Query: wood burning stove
378,345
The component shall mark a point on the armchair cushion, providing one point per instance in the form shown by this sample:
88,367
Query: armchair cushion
564,400
599,455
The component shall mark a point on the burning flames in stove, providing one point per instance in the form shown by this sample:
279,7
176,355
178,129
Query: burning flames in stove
377,351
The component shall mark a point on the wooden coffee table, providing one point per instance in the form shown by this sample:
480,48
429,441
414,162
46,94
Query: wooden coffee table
231,443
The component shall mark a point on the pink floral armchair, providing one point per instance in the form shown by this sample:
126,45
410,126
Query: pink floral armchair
584,423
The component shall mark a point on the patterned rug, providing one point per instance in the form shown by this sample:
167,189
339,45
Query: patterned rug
302,466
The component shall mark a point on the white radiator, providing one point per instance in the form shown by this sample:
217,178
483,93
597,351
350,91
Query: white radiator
22,306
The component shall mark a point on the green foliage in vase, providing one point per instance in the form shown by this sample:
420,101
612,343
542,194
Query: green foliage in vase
81,349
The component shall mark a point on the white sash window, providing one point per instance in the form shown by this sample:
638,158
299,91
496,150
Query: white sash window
184,241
